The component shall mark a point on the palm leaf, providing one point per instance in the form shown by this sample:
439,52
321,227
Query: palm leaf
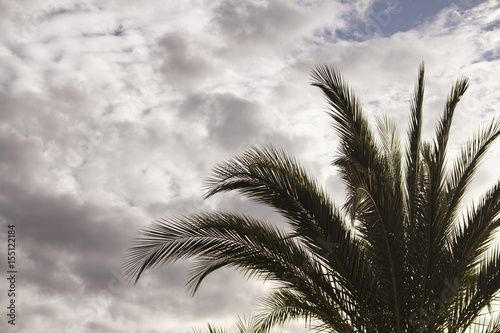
467,163
405,263
271,176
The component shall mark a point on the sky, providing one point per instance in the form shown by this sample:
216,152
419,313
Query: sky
113,113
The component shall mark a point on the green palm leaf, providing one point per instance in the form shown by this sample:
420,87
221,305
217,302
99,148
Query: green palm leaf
406,262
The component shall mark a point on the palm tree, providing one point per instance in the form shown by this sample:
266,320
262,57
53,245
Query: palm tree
399,256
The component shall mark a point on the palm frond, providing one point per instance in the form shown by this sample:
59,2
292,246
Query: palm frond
363,168
405,263
211,329
479,290
283,306
414,143
472,238
415,207
443,129
359,154
391,151
467,163
214,241
243,325
271,176
488,323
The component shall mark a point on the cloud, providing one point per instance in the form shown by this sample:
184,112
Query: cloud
229,119
113,114
181,65
249,29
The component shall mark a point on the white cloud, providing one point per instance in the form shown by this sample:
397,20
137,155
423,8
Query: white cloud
112,115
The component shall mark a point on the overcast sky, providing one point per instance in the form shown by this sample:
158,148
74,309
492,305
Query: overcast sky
112,113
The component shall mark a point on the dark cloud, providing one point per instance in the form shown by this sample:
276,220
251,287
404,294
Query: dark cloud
58,231
235,119
252,23
230,120
251,28
271,28
182,66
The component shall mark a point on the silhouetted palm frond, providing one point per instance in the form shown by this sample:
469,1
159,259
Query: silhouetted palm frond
401,257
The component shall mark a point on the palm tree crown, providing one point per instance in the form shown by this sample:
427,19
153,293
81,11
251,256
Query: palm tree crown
399,256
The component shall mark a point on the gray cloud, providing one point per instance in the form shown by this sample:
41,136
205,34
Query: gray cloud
251,23
182,66
272,28
229,119
112,115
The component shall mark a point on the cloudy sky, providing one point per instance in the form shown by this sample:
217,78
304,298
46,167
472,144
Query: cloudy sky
112,113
